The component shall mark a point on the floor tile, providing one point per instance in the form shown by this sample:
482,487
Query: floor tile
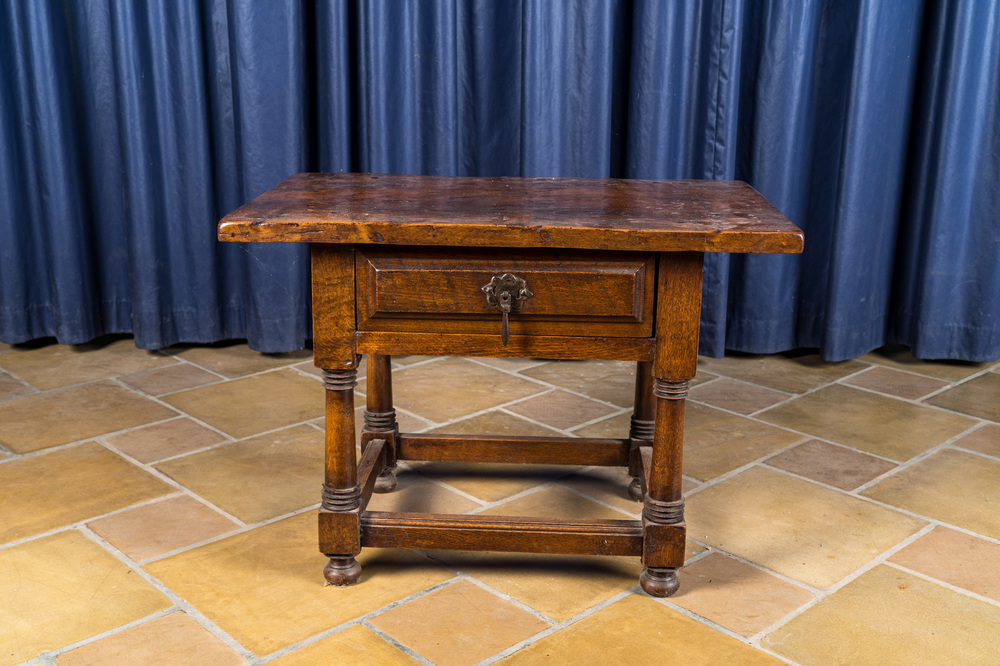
164,440
560,586
10,387
980,396
259,478
616,427
493,482
951,486
736,595
354,646
792,372
160,527
411,359
415,493
555,502
247,406
956,558
64,588
561,409
651,629
236,359
29,424
887,427
891,617
55,489
510,364
610,381
171,640
281,565
737,396
496,422
833,465
896,356
606,484
453,387
55,366
807,532
984,440
609,484
458,625
178,377
716,442
895,382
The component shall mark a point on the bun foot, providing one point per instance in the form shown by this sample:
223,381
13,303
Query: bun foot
385,482
341,571
635,490
659,582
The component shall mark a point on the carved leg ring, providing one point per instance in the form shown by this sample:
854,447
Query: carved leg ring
383,424
341,569
661,581
640,430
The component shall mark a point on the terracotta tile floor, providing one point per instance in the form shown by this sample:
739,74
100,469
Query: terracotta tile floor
159,508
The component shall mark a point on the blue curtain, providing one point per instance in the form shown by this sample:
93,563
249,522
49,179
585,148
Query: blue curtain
128,128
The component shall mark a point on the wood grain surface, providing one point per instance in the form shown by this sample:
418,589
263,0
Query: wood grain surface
606,214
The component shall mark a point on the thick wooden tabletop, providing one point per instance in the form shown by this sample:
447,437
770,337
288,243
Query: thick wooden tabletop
651,215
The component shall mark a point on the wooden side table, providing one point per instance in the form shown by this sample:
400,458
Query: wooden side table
516,267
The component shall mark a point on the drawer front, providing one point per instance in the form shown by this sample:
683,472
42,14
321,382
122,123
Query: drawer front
441,290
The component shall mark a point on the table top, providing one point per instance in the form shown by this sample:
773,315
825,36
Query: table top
589,213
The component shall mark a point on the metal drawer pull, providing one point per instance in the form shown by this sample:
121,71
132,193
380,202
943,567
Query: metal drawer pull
507,292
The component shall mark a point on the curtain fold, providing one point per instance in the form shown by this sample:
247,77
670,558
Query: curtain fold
127,129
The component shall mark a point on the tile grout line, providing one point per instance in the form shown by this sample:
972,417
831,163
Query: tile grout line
399,645
152,471
951,586
907,464
825,593
514,601
361,620
568,622
178,603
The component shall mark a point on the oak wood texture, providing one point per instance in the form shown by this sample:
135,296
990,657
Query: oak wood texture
605,214
441,290
333,306
519,346
614,268
502,533
515,449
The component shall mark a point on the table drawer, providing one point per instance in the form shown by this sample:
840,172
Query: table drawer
442,290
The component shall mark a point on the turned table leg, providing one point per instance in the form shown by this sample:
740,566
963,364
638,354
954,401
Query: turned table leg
641,429
663,505
675,362
340,511
380,419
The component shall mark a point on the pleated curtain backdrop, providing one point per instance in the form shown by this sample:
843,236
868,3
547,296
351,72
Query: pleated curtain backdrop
128,128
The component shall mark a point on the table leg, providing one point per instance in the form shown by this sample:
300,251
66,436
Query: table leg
663,505
340,511
641,429
675,362
380,419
